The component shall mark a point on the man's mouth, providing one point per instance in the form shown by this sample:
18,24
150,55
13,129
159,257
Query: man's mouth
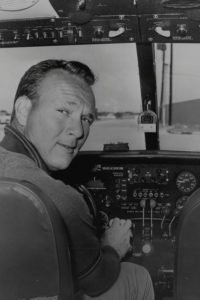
69,149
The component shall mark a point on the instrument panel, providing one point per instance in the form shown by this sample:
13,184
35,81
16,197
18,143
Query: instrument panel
62,31
97,22
151,190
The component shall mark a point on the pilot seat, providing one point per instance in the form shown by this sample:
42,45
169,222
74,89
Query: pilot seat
187,254
34,254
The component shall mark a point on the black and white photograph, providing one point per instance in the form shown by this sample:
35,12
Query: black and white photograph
99,149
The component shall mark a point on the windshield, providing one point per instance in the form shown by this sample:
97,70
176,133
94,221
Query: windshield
117,88
178,94
118,94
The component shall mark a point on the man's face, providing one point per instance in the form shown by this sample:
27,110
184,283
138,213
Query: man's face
59,123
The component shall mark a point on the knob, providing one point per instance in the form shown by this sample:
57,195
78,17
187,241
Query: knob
107,204
99,32
28,36
152,203
143,203
16,36
80,33
147,248
36,35
81,5
176,211
118,197
166,210
107,201
142,179
70,35
44,34
182,30
52,34
82,14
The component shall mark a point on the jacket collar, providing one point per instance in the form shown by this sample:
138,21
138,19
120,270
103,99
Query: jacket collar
16,142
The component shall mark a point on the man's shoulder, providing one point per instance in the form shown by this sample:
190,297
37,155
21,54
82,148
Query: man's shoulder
9,159
21,167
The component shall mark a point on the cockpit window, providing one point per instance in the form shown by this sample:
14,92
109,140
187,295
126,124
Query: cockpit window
117,91
178,94
117,88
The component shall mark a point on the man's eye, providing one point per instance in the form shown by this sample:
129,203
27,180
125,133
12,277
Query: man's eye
63,111
87,120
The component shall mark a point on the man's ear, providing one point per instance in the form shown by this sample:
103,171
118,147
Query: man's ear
22,108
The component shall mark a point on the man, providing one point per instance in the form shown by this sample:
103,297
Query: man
54,108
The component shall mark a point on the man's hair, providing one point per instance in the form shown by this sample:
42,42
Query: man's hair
30,81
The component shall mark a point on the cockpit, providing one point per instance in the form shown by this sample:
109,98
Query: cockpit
142,158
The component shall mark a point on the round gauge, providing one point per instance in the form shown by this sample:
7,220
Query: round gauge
14,5
186,182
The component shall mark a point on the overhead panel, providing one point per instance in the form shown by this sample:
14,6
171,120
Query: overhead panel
169,20
62,31
70,23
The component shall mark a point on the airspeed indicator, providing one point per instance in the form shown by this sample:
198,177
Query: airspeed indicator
186,182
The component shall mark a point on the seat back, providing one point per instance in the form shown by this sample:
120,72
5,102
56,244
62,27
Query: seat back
187,255
34,254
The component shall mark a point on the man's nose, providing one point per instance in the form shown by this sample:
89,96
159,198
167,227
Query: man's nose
77,128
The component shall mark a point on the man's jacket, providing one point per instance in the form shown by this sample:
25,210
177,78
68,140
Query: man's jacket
94,268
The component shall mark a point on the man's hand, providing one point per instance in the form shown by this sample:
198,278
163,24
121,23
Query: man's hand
118,236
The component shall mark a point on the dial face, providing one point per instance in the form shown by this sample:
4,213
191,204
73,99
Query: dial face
14,5
186,182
